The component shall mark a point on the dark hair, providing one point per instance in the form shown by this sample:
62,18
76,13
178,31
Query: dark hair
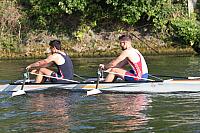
125,38
56,44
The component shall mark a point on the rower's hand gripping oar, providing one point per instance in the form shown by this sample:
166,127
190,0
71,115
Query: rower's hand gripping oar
21,91
98,78
96,90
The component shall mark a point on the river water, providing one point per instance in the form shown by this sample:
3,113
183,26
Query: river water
62,111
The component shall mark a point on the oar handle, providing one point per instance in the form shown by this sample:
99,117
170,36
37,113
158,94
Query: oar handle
25,76
99,72
98,77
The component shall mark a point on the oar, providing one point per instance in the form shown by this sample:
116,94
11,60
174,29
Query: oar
69,80
145,43
129,76
96,90
98,78
21,91
178,77
80,77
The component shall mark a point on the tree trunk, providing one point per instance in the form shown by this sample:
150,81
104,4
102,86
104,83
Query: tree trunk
191,6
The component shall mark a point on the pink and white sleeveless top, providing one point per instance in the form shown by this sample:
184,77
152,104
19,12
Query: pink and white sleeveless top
137,62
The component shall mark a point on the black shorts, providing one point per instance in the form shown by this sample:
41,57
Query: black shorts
54,74
55,80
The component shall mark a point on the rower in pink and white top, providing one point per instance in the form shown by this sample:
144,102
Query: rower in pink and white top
129,56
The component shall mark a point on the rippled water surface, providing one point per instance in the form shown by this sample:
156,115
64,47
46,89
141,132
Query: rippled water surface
57,110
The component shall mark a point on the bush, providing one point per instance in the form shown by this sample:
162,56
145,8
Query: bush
9,43
10,25
186,29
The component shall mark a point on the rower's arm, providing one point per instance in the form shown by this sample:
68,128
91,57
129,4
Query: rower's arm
43,63
120,61
47,65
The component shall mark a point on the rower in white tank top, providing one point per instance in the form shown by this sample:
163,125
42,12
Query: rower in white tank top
129,56
137,62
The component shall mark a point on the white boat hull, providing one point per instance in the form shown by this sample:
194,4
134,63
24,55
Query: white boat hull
167,86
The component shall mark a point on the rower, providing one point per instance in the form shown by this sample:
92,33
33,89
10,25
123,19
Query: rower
129,56
58,58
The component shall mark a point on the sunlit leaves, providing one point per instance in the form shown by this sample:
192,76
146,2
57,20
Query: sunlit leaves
158,13
187,29
69,6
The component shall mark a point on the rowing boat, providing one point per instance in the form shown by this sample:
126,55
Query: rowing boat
165,86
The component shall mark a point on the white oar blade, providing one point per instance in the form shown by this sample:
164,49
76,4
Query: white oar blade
93,92
18,93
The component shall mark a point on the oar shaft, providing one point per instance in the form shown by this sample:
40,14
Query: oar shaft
168,76
129,76
146,43
179,77
54,77
79,76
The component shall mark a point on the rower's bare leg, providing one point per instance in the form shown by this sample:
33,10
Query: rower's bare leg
111,76
42,71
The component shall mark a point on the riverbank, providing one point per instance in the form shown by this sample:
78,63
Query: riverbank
41,52
95,45
87,32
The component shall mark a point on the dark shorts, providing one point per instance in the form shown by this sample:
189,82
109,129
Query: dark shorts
54,80
132,73
54,74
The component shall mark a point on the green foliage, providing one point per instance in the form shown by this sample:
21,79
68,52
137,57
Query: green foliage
8,43
10,26
186,29
80,17
39,11
45,14
129,11
83,29
9,17
161,16
70,6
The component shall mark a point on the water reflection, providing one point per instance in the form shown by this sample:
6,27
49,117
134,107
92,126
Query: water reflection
163,65
174,65
132,107
62,111
50,110
192,68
